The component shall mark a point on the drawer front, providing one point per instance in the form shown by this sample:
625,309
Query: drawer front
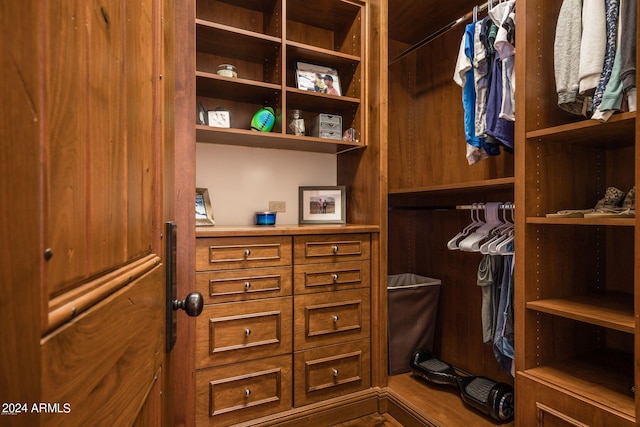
229,253
227,333
332,371
242,285
331,317
331,277
332,248
243,391
551,407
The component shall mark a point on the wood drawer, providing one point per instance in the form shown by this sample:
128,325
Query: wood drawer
230,253
332,248
332,371
331,277
242,285
227,333
331,317
243,391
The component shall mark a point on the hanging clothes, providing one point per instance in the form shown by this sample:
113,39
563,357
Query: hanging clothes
628,28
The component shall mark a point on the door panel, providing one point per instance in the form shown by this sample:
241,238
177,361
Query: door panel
110,366
88,185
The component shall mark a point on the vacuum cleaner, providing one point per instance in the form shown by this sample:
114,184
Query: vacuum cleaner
489,397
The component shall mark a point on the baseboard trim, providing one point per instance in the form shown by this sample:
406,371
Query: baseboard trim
346,408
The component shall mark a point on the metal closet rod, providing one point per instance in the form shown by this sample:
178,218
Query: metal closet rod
482,206
443,30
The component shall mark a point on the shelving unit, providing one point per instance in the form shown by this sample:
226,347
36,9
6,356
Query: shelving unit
575,286
264,39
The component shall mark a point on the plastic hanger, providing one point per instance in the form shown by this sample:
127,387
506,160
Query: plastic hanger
498,234
476,222
472,242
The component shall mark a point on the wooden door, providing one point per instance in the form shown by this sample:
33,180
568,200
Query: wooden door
86,185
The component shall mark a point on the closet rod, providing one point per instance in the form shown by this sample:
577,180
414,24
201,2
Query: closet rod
482,206
441,31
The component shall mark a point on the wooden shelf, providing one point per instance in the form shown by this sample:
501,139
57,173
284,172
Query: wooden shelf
248,138
591,379
301,50
221,87
619,131
613,312
278,230
439,405
489,184
229,41
615,222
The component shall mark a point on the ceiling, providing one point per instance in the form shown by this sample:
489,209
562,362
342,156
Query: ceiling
413,20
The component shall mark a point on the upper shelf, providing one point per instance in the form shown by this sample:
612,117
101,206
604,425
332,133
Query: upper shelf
248,138
619,131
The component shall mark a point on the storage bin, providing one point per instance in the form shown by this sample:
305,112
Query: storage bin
412,311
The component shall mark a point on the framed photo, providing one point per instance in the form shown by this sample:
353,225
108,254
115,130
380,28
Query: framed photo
204,213
322,205
317,78
201,119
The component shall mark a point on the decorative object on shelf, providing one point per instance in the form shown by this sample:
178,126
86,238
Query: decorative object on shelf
296,123
322,205
219,118
227,70
349,135
201,119
266,218
317,78
263,120
327,126
204,213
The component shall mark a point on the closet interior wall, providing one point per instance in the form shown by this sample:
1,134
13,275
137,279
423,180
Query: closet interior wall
428,169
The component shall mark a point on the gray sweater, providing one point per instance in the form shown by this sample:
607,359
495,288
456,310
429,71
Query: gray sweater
628,44
567,56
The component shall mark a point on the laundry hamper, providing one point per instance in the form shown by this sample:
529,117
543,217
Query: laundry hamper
412,311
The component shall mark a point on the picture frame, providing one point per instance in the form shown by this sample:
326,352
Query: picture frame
322,205
201,118
204,212
317,78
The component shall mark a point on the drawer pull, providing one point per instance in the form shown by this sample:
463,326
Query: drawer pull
335,318
335,372
247,285
247,252
247,332
335,277
335,249
247,392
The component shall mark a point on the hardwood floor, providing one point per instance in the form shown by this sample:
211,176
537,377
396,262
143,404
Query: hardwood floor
373,420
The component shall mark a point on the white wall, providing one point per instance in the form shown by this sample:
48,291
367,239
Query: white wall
242,180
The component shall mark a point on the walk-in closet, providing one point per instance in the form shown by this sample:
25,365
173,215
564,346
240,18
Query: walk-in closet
574,285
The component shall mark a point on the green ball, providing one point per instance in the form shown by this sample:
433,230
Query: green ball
263,120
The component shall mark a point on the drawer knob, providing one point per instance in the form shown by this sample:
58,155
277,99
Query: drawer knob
247,392
335,318
247,332
335,277
247,252
335,372
335,249
247,285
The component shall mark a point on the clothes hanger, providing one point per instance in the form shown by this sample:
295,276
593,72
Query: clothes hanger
499,233
504,235
476,222
472,242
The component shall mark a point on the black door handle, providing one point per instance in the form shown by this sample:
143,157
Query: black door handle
192,304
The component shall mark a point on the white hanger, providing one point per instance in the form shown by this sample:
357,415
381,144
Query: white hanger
472,242
475,223
497,234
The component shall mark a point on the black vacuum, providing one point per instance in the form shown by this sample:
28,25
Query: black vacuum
485,395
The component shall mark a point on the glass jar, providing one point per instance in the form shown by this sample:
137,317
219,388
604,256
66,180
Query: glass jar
296,123
227,70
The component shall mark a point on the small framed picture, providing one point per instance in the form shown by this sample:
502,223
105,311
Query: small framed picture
204,213
316,78
201,119
322,205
